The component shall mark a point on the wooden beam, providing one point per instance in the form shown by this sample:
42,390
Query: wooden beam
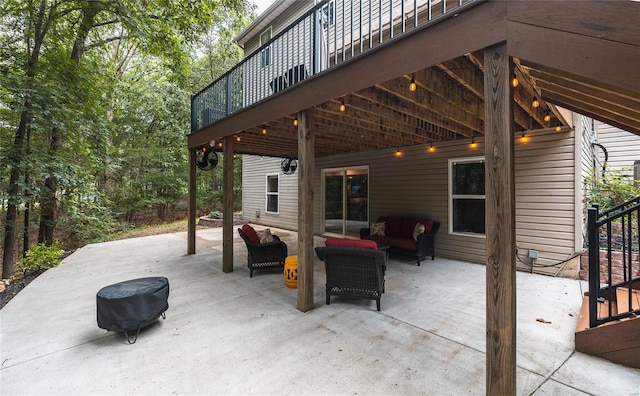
615,66
500,222
306,165
227,203
191,205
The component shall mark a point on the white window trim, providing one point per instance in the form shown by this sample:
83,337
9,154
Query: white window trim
264,64
268,193
452,196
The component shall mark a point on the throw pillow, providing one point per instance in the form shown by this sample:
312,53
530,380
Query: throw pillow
265,236
377,229
250,233
417,230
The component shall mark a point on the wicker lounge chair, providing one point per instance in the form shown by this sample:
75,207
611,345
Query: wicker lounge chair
264,255
353,272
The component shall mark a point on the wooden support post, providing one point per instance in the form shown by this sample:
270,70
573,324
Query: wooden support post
191,205
227,204
306,165
500,222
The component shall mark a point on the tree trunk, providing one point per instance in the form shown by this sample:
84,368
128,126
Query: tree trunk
42,23
12,193
49,198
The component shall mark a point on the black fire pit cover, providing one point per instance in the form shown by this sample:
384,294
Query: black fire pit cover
132,304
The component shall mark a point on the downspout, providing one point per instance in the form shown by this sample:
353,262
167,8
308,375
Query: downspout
606,157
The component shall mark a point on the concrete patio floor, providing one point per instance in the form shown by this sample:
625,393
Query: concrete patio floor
231,334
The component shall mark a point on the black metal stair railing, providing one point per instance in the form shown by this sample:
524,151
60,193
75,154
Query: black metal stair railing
332,32
613,232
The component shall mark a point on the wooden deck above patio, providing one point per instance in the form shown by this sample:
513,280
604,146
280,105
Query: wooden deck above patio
578,56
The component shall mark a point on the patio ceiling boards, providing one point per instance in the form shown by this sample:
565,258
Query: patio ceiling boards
381,111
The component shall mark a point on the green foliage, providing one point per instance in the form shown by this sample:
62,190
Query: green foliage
94,99
611,189
216,214
41,257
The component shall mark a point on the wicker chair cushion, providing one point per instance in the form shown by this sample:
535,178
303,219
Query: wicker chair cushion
250,233
357,243
265,236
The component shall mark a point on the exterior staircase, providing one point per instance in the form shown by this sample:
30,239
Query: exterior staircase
609,322
617,341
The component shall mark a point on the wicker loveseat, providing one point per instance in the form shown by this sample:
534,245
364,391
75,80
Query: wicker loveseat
398,235
353,272
263,255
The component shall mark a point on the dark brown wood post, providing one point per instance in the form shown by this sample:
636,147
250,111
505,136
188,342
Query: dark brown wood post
306,165
500,222
191,205
227,203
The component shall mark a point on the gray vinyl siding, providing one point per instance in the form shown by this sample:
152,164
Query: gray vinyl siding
254,185
623,147
545,198
280,23
585,126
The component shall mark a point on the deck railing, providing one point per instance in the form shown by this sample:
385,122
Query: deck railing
330,33
614,242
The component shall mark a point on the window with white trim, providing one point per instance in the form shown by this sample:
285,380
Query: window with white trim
273,193
467,196
328,13
265,54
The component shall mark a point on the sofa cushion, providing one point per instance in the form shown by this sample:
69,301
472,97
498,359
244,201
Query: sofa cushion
393,225
378,229
409,224
379,240
403,243
357,243
417,230
250,233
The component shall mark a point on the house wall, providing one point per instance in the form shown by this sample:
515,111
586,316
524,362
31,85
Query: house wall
254,187
416,184
280,23
623,147
586,128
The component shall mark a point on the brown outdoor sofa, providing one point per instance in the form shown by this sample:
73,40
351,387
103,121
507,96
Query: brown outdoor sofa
398,235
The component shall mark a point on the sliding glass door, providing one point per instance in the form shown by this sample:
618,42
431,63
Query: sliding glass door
346,201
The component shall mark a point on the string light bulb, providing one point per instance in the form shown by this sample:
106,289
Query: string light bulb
535,102
343,107
514,80
412,85
264,130
295,121
220,144
431,148
558,127
238,138
547,116
398,152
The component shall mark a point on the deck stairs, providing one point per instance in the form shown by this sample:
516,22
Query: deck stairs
617,341
609,322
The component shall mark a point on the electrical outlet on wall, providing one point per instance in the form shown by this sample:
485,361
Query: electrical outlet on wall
533,254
